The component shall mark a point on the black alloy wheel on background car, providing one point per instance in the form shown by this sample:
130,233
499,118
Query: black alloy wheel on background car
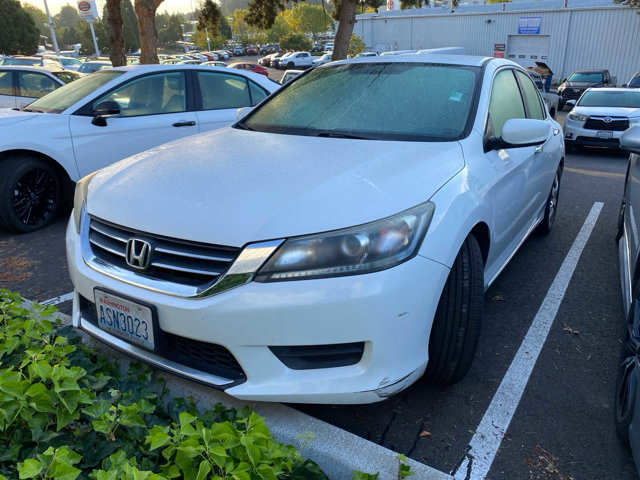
30,194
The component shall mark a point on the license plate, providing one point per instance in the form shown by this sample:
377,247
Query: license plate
603,134
126,319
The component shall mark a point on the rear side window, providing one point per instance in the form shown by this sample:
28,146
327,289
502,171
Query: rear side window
35,85
221,91
531,97
6,83
506,102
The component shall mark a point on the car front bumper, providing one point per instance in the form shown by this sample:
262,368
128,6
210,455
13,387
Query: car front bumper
576,134
390,312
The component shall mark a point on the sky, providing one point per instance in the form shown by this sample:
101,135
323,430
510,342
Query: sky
171,6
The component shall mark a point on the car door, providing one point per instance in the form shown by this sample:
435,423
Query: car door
33,85
7,89
154,109
220,94
514,195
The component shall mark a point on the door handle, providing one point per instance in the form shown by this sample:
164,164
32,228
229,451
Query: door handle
538,149
184,124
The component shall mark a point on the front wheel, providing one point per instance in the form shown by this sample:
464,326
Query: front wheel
456,325
30,194
561,106
290,65
551,206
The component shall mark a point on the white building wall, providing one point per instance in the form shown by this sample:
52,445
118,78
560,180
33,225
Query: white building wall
579,38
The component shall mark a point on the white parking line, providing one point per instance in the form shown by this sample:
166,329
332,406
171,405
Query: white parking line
56,300
488,436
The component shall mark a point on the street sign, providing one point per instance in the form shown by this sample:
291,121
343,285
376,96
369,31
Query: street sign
87,10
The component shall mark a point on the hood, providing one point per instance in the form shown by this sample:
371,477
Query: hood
231,187
608,111
9,116
584,85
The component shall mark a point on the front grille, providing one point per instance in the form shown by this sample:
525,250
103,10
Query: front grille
604,142
617,124
571,94
172,260
206,357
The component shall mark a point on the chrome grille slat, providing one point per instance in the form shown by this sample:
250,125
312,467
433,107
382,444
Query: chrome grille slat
105,247
194,255
184,269
173,260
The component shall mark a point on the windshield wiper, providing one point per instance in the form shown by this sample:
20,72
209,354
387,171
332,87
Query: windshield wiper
340,135
25,109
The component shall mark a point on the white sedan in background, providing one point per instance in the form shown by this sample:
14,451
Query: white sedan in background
600,117
21,85
105,117
331,246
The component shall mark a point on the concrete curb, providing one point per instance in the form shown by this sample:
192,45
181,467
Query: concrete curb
337,451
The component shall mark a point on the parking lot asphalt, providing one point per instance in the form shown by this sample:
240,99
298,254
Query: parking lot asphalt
563,425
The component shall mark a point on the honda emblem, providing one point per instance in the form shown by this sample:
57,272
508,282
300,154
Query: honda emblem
138,254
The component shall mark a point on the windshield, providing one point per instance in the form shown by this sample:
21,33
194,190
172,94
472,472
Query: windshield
635,82
67,76
90,67
70,62
381,101
590,77
618,98
67,95
22,61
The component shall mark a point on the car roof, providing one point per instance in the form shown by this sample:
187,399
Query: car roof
610,89
588,71
425,57
46,68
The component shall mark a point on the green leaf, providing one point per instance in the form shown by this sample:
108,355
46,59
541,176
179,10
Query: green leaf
29,468
365,476
158,437
203,470
254,454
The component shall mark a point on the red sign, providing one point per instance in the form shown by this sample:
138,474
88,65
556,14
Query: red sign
389,4
84,6
498,50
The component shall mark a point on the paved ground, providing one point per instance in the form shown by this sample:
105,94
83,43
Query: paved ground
562,428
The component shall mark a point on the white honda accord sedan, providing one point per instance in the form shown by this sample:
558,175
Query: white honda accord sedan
331,246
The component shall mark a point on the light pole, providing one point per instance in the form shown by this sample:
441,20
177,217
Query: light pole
231,25
53,34
206,32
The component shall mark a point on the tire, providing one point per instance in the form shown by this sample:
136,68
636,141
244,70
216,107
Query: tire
551,205
620,229
30,194
561,106
290,65
627,379
456,325
553,113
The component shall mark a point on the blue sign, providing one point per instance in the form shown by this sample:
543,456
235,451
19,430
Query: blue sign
529,25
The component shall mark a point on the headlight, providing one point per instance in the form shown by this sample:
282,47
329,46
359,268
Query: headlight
79,199
634,121
578,117
366,248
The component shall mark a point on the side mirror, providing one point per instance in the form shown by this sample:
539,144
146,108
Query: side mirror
103,111
630,140
571,102
242,112
520,132
563,80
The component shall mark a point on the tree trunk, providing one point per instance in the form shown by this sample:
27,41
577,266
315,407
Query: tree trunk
345,29
116,40
146,12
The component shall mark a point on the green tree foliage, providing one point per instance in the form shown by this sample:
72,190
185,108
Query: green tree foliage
169,29
39,18
295,41
498,1
304,18
18,32
209,17
68,35
356,45
279,29
102,37
224,28
68,17
630,3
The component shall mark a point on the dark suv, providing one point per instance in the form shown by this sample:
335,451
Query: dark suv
573,86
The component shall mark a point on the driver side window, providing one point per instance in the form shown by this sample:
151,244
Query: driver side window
150,95
506,101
